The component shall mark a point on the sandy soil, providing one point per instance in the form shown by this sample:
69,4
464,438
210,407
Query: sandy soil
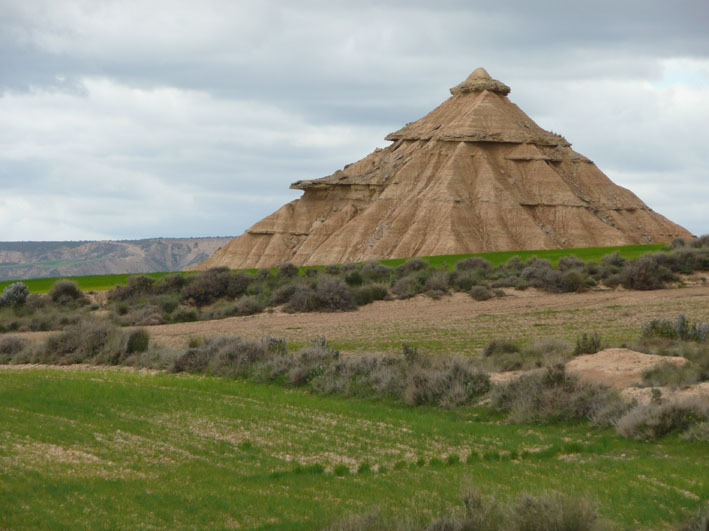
456,311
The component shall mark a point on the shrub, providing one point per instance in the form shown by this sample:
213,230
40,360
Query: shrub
81,342
136,341
303,299
248,305
481,293
574,281
65,291
669,374
374,271
354,278
332,269
214,284
334,295
437,282
646,273
173,282
450,383
140,285
552,395
654,421
287,270
540,274
567,263
10,346
185,315
406,287
14,295
472,264
499,346
701,242
410,266
553,512
588,344
367,294
681,328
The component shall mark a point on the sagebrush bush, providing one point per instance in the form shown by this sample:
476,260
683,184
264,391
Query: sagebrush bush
647,272
81,343
136,340
412,265
65,291
481,293
334,295
14,295
588,344
550,396
653,421
449,383
681,329
10,346
406,287
474,263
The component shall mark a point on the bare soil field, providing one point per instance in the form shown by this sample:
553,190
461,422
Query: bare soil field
459,324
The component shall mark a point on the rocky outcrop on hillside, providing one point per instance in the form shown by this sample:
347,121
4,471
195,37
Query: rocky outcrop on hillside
476,174
21,260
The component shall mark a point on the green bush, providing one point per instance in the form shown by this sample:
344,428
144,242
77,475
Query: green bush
136,341
681,329
588,344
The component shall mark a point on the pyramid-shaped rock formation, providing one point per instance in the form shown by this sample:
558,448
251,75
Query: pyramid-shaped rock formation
475,174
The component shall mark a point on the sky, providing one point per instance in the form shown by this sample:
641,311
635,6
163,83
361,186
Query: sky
131,119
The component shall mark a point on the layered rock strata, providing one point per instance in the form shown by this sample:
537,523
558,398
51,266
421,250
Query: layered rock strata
476,174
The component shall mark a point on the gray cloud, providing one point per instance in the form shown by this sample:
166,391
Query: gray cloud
180,120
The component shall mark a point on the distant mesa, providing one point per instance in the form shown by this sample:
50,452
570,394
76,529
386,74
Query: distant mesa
476,174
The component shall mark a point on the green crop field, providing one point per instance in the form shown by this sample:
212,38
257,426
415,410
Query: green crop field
103,282
97,448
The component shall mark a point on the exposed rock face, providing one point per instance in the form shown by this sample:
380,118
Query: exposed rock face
476,174
21,260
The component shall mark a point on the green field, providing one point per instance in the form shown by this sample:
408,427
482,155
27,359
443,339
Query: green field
125,449
103,282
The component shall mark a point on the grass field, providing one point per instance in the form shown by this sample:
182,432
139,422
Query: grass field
103,282
124,449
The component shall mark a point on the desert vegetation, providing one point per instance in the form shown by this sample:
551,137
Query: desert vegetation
394,433
218,293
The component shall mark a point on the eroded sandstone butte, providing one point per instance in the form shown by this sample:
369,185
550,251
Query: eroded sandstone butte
476,174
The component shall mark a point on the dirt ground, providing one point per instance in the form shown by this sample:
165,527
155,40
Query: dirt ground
521,314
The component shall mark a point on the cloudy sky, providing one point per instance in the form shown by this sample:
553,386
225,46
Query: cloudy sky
134,119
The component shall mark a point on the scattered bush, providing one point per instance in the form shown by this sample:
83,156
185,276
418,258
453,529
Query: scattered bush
248,305
681,329
80,343
550,396
136,341
654,421
334,295
14,295
10,346
481,293
473,264
287,270
588,344
647,272
449,383
66,291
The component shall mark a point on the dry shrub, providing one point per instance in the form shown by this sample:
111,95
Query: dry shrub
334,295
10,347
450,383
653,421
65,292
81,342
647,272
410,266
588,344
14,295
481,293
550,396
473,264
248,305
374,271
406,287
